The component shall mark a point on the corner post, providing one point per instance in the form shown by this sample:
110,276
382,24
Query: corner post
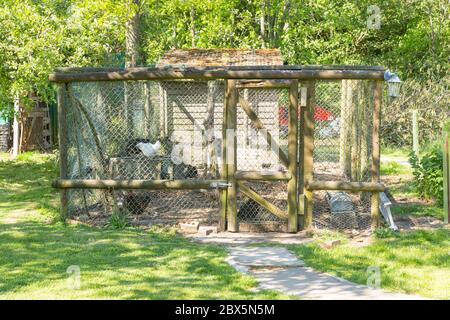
308,149
292,157
62,141
446,172
375,168
223,193
231,99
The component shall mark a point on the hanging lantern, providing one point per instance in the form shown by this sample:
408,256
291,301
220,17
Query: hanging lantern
394,83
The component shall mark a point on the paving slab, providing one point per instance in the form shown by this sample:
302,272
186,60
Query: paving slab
238,239
310,284
264,257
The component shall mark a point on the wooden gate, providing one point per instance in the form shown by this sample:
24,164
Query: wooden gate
270,124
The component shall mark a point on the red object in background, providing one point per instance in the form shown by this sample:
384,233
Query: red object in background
283,116
320,114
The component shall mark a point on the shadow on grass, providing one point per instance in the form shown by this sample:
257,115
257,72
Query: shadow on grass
409,262
115,264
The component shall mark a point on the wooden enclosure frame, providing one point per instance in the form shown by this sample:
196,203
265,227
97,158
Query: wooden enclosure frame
298,160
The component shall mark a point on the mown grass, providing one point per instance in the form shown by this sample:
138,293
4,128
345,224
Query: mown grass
414,262
38,256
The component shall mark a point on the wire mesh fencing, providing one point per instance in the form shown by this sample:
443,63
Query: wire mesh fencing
174,130
169,130
145,130
343,116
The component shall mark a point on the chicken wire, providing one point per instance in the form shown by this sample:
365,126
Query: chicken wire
107,121
172,130
343,115
114,129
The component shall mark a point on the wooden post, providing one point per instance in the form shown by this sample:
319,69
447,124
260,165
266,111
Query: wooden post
308,149
62,141
301,143
446,172
223,193
415,132
231,98
292,157
16,132
375,168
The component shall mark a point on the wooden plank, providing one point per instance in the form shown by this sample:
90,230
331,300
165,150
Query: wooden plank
375,168
261,201
138,184
345,186
260,126
214,73
262,175
231,159
292,157
63,143
308,148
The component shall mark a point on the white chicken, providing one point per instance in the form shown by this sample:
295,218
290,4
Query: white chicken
148,149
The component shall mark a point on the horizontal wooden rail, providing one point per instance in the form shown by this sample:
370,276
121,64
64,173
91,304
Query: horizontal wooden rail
139,184
261,201
216,73
345,186
263,84
262,175
257,67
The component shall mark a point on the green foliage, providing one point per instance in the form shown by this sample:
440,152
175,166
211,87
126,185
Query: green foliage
393,167
118,220
428,173
38,35
383,233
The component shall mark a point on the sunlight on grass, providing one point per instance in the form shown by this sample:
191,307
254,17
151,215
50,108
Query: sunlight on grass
393,167
114,264
419,210
415,263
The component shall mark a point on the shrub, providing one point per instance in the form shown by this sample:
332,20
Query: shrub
383,233
118,220
428,173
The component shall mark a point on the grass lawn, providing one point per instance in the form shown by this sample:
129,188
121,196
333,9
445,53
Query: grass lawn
414,263
37,254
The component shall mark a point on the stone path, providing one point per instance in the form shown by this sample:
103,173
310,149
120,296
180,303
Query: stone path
245,238
276,268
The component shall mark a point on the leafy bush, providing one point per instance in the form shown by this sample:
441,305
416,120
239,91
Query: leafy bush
118,220
383,233
428,173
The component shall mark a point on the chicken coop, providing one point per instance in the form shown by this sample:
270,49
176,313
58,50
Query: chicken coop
225,137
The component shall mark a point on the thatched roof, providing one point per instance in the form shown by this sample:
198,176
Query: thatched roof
221,57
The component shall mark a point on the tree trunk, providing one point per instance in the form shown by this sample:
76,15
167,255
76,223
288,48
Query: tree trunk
132,45
193,26
345,127
132,57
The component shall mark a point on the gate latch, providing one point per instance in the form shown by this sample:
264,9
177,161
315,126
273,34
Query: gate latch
220,185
